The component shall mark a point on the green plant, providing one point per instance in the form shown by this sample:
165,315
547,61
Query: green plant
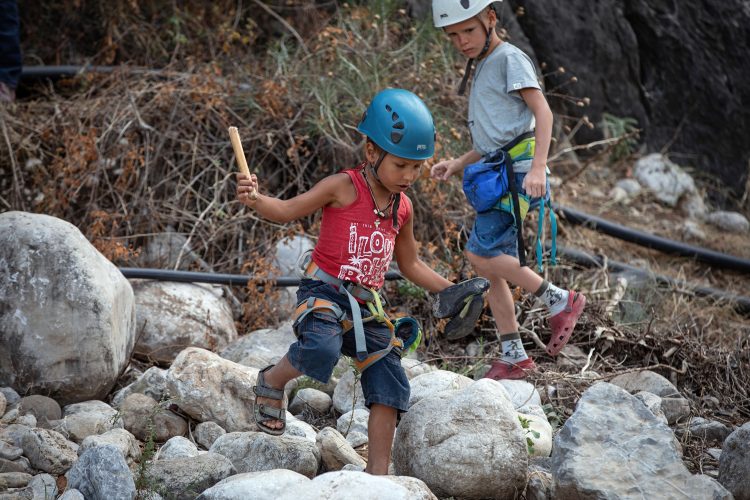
625,131
526,425
553,417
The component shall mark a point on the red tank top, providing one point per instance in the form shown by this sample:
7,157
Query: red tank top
351,246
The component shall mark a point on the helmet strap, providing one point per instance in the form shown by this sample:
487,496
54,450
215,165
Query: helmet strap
470,63
377,166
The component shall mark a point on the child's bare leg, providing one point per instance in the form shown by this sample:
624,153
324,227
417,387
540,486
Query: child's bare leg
277,377
509,269
380,429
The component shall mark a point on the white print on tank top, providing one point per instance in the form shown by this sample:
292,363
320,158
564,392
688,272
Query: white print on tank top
369,256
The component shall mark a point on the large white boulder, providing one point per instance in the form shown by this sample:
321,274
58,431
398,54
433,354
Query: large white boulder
67,314
173,316
465,443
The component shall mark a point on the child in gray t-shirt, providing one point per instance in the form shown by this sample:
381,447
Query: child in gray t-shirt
505,103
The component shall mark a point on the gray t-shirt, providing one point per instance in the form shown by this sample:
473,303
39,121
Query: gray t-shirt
497,113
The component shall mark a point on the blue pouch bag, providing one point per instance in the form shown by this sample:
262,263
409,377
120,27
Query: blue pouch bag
486,182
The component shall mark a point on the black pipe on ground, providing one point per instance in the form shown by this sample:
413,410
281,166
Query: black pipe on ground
716,259
740,303
36,73
215,278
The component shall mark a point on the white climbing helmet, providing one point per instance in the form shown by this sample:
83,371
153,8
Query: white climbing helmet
447,12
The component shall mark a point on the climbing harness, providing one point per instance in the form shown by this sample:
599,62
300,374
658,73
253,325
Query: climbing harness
491,185
406,333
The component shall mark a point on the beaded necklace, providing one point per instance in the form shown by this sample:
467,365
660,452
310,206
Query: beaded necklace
380,213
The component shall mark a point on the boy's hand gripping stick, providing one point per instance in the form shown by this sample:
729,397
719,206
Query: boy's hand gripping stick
239,154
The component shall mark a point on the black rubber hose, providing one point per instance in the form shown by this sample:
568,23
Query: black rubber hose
33,73
648,240
740,303
214,278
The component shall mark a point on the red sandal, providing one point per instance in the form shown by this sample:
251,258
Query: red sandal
505,370
562,323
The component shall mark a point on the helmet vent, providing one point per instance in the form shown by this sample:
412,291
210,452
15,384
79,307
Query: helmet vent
399,125
388,108
396,137
394,116
465,4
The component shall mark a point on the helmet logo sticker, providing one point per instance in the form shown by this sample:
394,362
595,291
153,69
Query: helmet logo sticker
421,147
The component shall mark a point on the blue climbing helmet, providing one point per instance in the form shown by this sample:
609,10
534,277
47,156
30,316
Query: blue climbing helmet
400,124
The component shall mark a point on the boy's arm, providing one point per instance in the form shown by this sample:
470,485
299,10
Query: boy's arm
411,266
323,193
446,168
536,180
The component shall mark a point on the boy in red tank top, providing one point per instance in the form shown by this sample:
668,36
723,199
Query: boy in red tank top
367,221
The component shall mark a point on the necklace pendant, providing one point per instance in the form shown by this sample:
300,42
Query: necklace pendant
377,223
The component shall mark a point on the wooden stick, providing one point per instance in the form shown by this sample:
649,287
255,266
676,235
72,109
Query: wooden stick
239,153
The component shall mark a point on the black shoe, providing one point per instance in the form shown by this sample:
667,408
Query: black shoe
462,324
450,301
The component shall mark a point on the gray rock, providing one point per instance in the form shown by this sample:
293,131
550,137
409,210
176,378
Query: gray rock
711,431
89,418
667,181
299,428
729,221
261,348
43,487
152,383
539,486
414,367
119,438
355,421
693,206
256,451
102,474
348,393
13,433
485,459
177,447
614,447
9,452
206,433
14,480
173,316
3,404
20,464
186,478
72,494
260,485
318,401
53,272
691,230
434,382
335,451
675,409
630,186
11,396
342,485
210,388
648,381
49,451
734,463
43,408
146,419
653,403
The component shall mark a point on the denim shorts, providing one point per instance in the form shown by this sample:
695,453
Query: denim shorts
320,343
494,232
